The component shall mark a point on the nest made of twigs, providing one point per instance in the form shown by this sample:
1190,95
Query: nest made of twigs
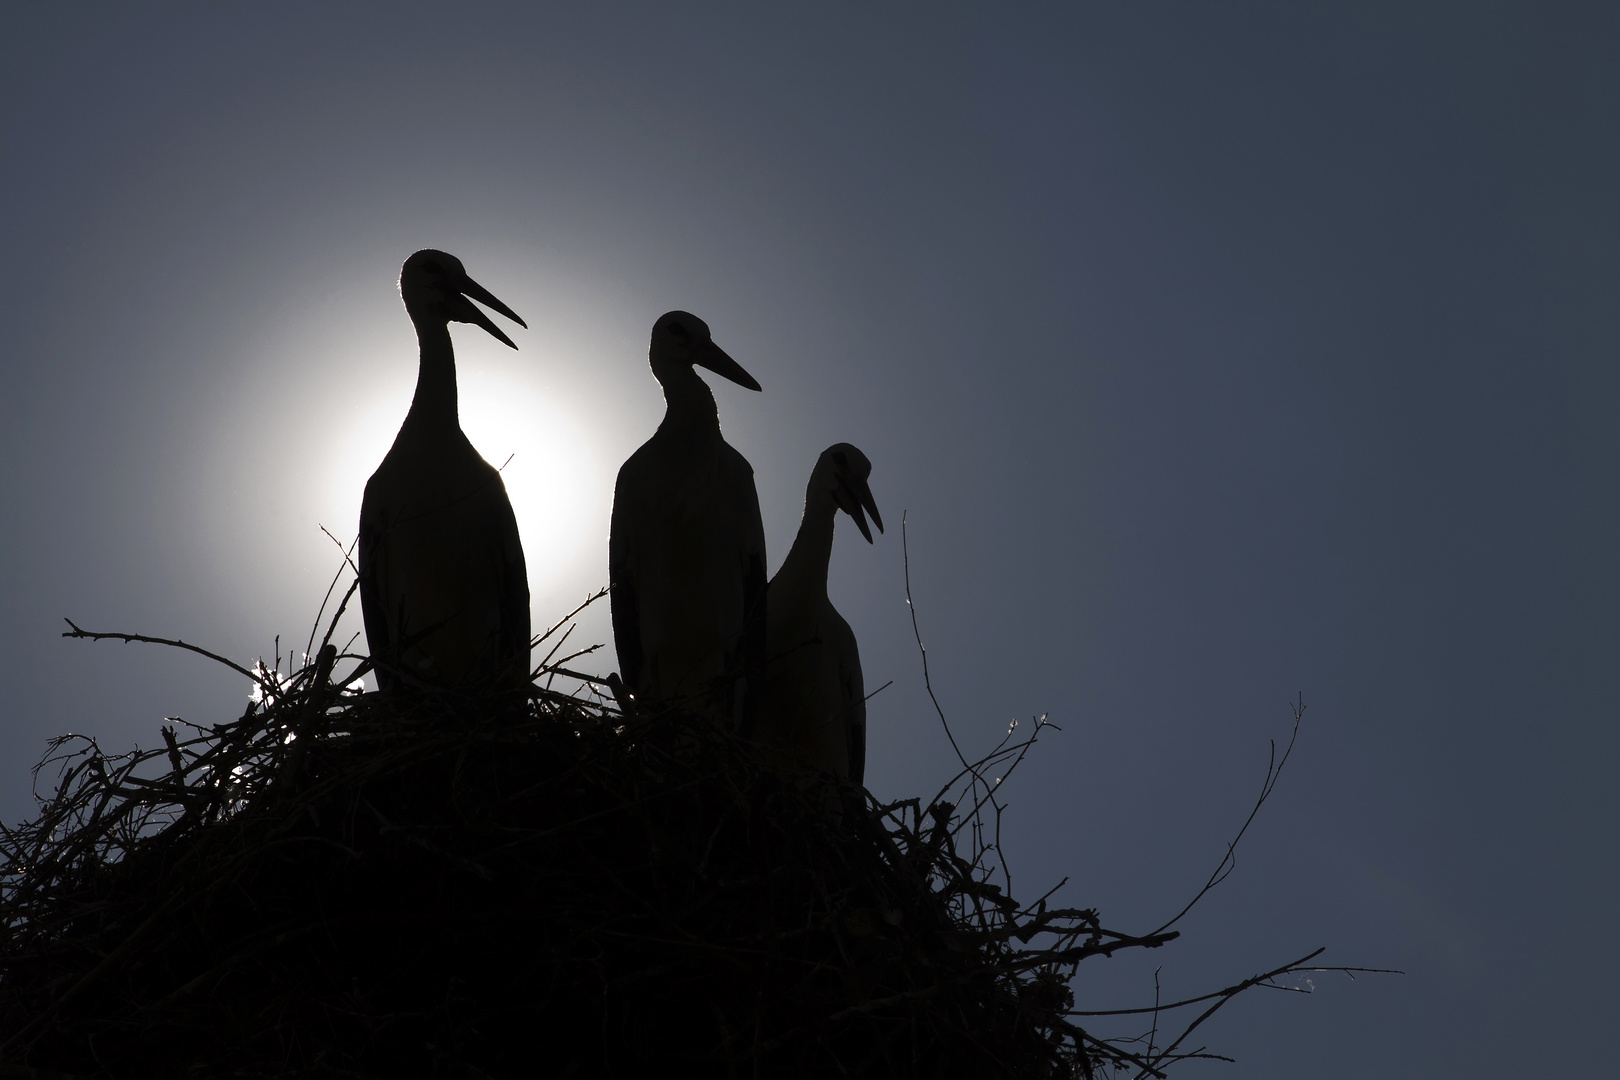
518,884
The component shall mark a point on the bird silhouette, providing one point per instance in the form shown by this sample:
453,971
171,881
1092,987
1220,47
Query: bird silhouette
814,704
686,554
443,586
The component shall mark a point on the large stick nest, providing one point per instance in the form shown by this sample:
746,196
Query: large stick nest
528,884
531,883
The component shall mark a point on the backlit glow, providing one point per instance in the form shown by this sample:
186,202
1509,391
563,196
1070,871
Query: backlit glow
550,472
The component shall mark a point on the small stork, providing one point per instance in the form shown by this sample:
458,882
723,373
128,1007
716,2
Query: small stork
814,704
686,554
443,585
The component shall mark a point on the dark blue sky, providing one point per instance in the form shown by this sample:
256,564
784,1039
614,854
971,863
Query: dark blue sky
1216,352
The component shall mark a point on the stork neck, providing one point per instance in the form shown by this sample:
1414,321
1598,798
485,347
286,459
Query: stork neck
435,403
804,571
689,407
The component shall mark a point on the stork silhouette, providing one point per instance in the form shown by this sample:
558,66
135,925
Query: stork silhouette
814,704
686,554
443,586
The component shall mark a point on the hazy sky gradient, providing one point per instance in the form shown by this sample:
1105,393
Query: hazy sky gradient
1217,352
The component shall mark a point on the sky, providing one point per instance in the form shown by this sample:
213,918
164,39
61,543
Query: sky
1215,354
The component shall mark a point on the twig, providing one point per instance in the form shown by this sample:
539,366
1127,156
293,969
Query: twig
1228,861
348,562
905,553
560,623
173,643
1227,995
878,691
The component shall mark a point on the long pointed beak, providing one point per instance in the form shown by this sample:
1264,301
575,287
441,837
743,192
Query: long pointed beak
860,523
714,358
871,507
469,312
855,496
487,298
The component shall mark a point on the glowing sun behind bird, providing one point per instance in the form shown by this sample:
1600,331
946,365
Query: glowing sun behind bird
545,457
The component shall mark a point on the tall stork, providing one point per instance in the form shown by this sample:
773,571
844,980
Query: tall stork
814,705
686,555
443,585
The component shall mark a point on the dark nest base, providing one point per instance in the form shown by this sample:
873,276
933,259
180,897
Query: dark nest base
511,886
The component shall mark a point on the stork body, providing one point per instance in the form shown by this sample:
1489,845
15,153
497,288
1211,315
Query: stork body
814,705
686,554
443,585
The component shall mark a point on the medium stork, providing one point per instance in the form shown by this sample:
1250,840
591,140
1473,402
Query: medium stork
814,706
686,554
443,586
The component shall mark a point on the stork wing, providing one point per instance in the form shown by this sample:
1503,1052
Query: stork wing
622,582
514,633
755,587
852,685
372,608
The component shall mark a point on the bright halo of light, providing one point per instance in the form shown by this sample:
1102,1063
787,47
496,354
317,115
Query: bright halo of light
546,462
550,474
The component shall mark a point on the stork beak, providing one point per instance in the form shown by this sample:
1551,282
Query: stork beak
468,312
871,507
853,494
714,358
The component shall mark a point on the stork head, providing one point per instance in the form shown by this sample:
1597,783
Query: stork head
681,339
435,286
841,472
